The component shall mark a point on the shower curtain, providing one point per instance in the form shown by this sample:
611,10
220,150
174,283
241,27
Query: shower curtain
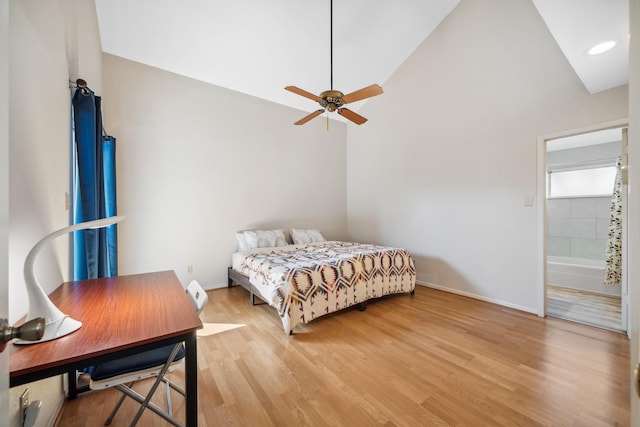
613,271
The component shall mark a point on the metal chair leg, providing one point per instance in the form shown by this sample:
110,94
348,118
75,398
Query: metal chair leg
151,406
153,388
115,408
168,395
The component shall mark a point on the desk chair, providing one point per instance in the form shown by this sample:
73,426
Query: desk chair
124,372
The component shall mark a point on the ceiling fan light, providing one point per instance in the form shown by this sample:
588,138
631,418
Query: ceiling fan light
332,100
602,47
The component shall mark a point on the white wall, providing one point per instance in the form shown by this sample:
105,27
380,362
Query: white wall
445,163
4,202
197,162
51,42
634,199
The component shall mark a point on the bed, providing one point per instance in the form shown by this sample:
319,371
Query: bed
309,280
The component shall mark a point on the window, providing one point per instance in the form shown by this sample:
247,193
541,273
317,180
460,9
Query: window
583,182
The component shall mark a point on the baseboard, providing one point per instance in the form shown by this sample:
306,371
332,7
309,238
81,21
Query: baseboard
478,297
55,419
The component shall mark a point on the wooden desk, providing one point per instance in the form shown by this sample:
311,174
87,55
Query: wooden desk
120,316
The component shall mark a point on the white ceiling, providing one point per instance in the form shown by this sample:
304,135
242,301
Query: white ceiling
578,25
258,47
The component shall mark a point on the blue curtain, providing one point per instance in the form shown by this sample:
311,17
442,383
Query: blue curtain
94,189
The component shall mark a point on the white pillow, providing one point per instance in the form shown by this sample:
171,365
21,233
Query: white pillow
242,241
306,236
262,239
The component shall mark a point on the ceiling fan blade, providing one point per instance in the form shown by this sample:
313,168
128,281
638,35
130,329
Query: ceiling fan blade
365,92
354,117
305,119
304,93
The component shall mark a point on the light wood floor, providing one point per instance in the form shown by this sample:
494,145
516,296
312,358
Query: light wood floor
602,311
434,359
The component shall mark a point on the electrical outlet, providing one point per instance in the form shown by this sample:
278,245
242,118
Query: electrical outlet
24,404
190,269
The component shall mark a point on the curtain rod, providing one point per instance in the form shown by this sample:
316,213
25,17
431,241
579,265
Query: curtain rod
81,85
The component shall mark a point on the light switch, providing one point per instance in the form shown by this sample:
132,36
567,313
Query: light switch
528,200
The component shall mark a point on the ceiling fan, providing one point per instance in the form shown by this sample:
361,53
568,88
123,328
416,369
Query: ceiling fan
332,100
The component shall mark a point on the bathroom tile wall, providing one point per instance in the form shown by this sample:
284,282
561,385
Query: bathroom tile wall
578,227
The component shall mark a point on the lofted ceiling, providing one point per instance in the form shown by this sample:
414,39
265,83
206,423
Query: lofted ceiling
578,25
258,47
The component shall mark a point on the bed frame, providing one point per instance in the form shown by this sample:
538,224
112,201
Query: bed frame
238,278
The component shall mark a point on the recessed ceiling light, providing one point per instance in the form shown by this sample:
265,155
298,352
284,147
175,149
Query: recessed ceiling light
602,47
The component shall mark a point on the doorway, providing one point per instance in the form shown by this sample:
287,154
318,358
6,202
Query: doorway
579,171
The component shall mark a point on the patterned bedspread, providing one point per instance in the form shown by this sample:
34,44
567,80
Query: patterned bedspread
305,282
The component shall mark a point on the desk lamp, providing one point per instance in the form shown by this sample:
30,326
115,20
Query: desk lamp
58,324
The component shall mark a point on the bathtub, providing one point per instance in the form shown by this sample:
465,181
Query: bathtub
579,273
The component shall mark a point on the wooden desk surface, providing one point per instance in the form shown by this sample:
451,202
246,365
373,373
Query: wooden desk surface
117,313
